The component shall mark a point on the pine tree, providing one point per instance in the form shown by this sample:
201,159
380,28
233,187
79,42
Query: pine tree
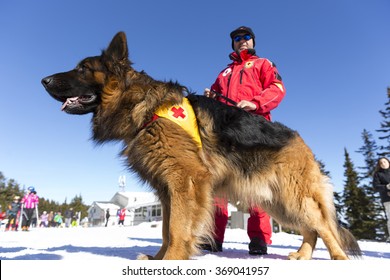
322,167
78,205
369,152
385,127
358,213
9,188
338,203
337,196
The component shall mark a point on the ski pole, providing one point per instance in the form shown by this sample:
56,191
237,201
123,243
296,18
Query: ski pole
21,217
36,213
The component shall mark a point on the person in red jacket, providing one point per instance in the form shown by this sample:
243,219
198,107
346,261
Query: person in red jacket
122,216
253,84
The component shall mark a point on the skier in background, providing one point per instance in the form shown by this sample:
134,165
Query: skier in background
29,203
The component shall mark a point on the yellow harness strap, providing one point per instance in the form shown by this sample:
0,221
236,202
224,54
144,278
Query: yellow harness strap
184,116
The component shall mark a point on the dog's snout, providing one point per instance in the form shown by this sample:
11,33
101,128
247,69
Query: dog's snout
46,81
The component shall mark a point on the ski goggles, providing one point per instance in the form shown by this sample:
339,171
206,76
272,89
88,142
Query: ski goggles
238,38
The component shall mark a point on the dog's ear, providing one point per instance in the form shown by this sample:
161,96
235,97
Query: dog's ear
118,47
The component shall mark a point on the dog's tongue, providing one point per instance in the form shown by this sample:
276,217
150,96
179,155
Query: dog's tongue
68,101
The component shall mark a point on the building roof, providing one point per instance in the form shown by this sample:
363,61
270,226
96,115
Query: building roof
105,205
134,199
129,200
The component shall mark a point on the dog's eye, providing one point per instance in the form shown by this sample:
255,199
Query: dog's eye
83,68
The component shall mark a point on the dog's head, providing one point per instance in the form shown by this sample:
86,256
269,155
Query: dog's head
81,89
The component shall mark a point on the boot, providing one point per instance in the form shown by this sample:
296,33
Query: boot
257,247
216,247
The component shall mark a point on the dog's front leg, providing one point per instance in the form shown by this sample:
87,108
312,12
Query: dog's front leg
165,231
181,241
165,234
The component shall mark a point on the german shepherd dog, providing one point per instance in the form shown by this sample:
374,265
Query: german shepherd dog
240,155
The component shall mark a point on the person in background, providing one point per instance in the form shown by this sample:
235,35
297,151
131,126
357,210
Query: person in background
68,217
107,216
75,219
381,184
29,203
13,212
50,219
254,85
44,219
3,215
122,215
58,219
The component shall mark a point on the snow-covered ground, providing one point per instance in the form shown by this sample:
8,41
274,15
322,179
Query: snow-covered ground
96,243
115,244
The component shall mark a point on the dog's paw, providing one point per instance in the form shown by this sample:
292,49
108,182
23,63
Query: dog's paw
143,257
297,256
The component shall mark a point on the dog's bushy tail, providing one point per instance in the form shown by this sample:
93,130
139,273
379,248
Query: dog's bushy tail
349,243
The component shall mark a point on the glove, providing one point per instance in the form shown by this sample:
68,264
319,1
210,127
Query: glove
207,92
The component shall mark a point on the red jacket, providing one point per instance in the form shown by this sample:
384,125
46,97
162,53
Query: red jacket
122,214
251,78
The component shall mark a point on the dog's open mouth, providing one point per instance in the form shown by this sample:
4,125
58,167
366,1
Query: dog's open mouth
78,102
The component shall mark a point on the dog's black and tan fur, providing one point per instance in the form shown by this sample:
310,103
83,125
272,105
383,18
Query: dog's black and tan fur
243,156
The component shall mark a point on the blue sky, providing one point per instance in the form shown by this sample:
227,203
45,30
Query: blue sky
333,56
